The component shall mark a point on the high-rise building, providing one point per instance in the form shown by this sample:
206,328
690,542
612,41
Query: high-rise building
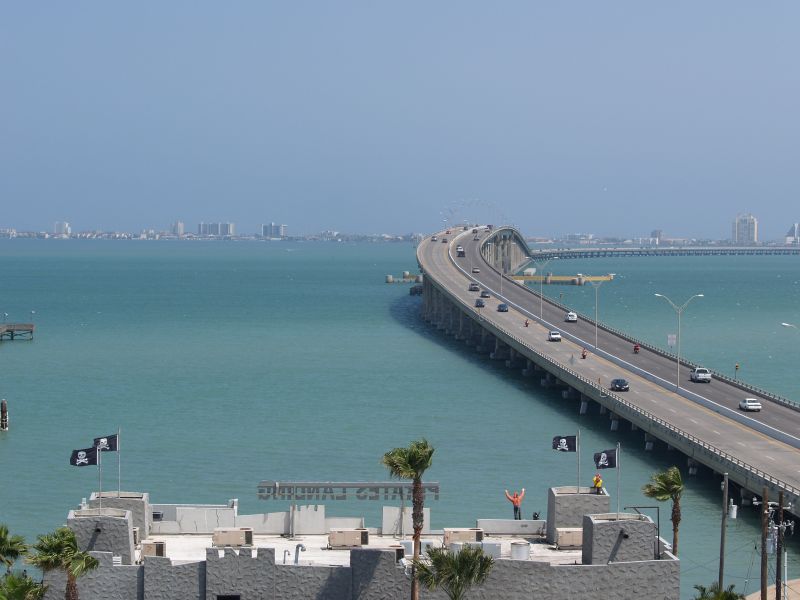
178,228
745,229
216,229
273,231
62,228
793,235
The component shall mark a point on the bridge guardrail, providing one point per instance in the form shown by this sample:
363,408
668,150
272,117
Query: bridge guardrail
602,392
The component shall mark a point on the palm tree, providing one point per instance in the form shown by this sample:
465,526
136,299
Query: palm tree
59,551
411,463
668,485
715,593
15,586
11,547
454,572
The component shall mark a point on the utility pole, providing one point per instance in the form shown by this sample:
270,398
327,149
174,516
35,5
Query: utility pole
779,553
722,532
764,528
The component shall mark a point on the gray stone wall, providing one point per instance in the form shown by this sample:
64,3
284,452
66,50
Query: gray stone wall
606,539
103,533
165,581
107,582
250,573
566,508
304,582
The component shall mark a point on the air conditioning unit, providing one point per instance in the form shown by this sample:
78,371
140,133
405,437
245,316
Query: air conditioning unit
459,534
232,536
136,536
348,538
154,548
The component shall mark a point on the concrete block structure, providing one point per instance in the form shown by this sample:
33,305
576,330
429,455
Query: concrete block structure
620,557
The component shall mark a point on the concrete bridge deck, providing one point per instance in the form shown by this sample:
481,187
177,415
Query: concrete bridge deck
702,420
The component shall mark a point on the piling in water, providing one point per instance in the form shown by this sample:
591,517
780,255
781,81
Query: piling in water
3,415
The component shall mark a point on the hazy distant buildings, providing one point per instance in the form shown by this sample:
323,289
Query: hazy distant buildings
656,236
793,235
62,228
216,229
745,230
178,228
273,231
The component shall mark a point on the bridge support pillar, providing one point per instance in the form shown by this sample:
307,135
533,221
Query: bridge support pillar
614,421
461,326
500,350
584,406
634,427
512,357
547,380
570,394
528,370
603,409
649,442
692,464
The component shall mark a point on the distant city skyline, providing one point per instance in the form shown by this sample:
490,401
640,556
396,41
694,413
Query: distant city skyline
380,117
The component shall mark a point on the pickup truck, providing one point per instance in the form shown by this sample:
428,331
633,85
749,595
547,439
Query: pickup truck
700,375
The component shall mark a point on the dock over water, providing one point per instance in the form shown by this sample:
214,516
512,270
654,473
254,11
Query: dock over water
16,331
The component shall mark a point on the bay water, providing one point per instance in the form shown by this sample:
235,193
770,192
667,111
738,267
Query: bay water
226,363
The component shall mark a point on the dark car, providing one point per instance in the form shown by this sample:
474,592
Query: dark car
620,385
473,287
502,308
479,303
485,294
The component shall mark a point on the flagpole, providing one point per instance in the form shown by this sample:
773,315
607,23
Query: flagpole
619,471
100,473
119,468
578,452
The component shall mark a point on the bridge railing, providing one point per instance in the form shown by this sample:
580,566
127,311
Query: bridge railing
619,401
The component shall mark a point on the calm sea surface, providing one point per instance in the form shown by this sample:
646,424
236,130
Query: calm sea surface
228,363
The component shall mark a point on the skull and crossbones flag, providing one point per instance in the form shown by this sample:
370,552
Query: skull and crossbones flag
83,458
565,443
607,459
107,443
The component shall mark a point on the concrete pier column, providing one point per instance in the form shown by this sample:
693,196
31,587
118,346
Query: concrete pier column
649,442
614,421
584,406
528,370
602,409
570,394
634,427
692,464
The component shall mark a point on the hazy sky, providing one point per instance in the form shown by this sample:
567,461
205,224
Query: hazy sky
604,117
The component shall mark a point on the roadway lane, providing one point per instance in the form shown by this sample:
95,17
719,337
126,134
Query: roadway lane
762,452
775,415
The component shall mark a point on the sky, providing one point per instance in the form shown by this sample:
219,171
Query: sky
612,118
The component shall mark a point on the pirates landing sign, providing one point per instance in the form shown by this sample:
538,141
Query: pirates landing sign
343,490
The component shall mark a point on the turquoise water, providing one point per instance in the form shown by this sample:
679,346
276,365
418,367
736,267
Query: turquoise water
229,363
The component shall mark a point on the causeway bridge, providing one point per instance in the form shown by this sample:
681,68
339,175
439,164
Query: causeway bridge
550,253
700,420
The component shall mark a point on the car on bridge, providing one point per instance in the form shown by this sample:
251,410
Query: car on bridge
435,238
444,240
475,239
700,375
620,385
476,270
554,336
473,287
475,230
502,308
750,404
485,294
479,303
571,317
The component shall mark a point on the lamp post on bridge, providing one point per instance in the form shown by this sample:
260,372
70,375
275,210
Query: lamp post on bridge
541,264
678,311
596,285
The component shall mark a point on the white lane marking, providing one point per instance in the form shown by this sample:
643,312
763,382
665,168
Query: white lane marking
715,431
769,457
693,421
673,410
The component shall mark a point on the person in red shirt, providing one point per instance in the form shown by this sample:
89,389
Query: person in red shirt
516,500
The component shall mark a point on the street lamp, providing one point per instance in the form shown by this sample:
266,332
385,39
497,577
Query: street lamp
541,264
679,311
596,285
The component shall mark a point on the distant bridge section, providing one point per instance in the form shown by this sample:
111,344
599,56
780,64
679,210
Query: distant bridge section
505,250
549,253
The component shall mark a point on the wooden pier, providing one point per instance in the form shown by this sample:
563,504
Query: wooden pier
16,331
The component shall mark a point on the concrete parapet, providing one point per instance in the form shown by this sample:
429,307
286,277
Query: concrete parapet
566,506
136,502
104,530
607,538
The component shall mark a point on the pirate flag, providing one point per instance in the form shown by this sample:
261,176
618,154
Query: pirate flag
565,443
607,459
106,444
83,458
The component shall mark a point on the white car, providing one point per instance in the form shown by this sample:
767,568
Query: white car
476,270
554,336
749,404
700,375
571,317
